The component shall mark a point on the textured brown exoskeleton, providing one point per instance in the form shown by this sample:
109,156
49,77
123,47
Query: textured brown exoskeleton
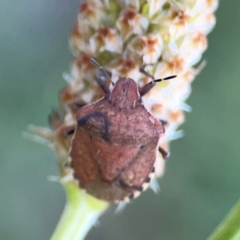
115,142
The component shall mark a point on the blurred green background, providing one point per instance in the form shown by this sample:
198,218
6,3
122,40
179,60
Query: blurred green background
202,179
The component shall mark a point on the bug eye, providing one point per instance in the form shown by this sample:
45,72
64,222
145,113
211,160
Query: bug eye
142,146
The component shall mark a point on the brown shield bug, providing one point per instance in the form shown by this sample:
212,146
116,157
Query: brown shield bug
115,141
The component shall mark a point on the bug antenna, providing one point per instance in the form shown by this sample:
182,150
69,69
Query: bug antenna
151,84
166,78
93,61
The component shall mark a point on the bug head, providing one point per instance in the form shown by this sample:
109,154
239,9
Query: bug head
125,93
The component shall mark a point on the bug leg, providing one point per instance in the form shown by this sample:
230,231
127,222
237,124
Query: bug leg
55,118
74,106
145,89
143,71
164,153
68,131
67,164
79,104
163,122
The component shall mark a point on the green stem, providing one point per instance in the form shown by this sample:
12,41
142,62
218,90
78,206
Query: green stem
229,228
80,214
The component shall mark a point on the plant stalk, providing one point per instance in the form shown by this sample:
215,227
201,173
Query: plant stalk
80,214
229,228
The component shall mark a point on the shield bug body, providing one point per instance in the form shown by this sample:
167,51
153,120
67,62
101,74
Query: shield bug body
115,142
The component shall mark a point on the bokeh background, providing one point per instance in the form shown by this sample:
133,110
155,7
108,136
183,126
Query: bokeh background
202,179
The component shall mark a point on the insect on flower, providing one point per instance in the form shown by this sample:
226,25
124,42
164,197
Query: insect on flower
115,141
